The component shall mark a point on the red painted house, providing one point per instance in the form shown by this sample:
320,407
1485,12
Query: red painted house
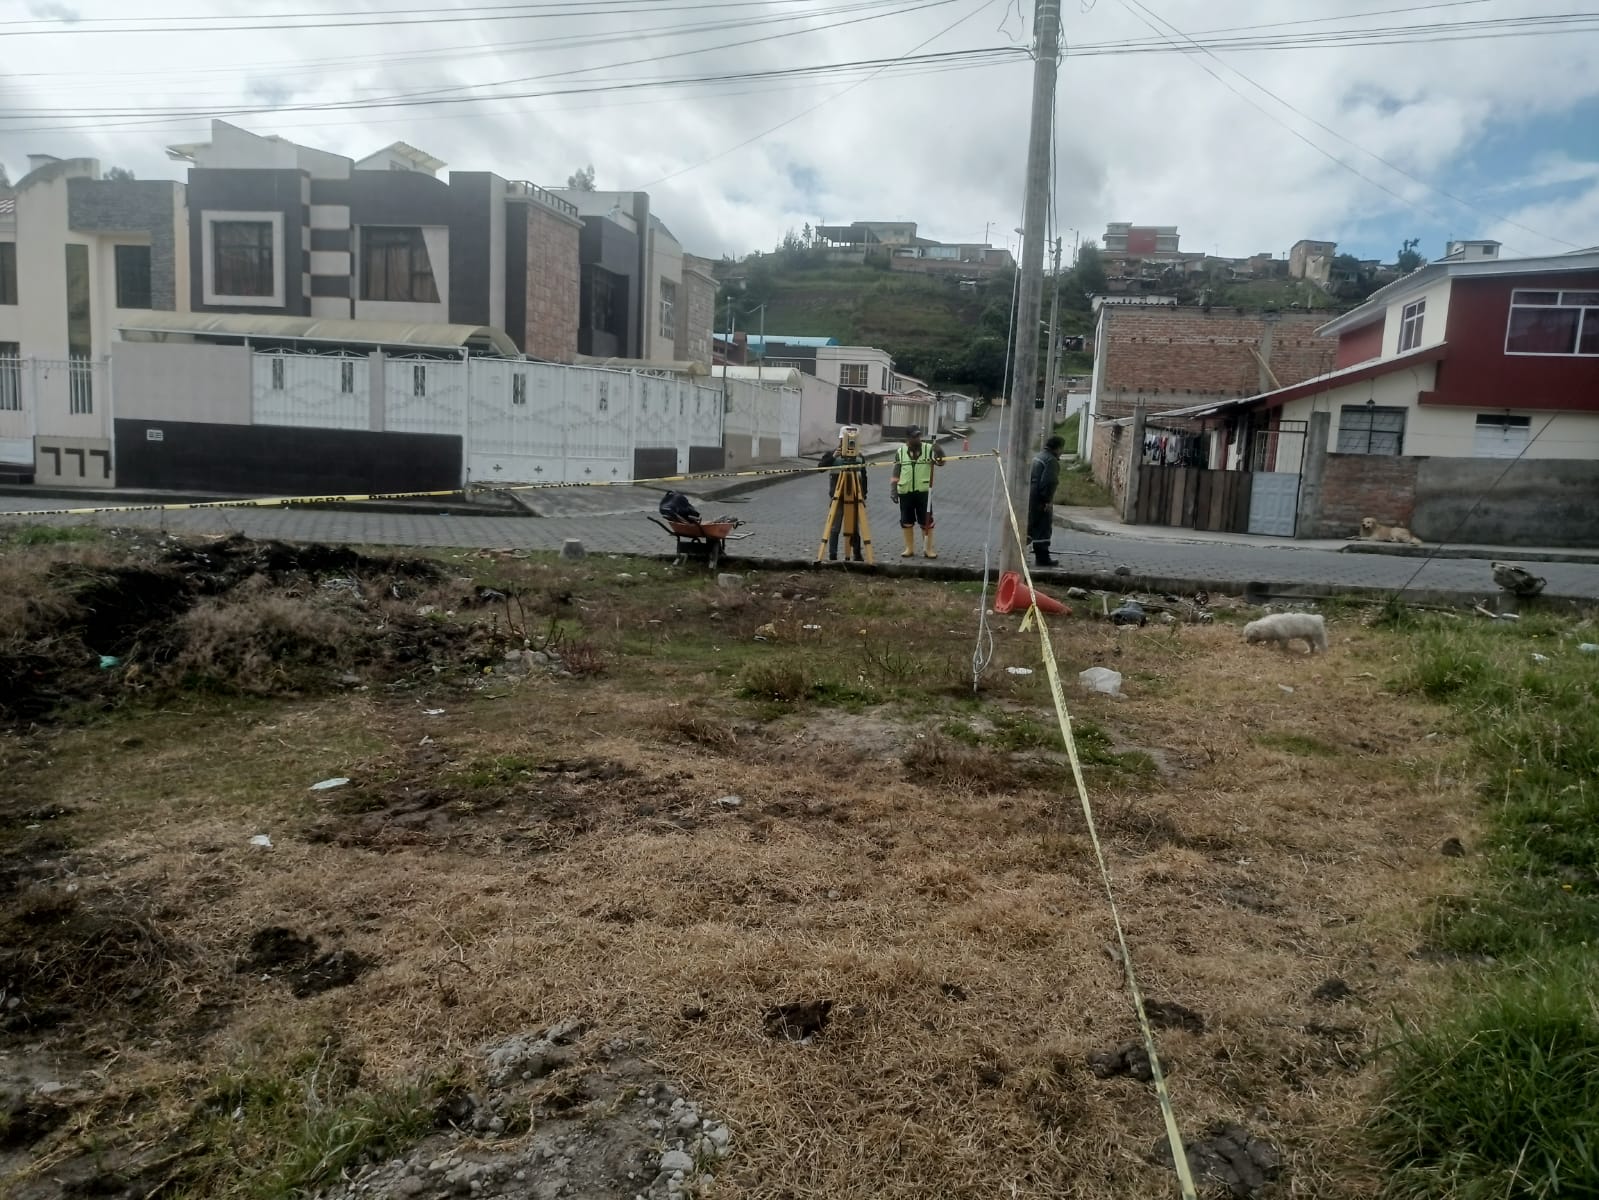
1464,401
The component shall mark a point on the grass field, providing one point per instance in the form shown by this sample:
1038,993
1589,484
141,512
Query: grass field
524,840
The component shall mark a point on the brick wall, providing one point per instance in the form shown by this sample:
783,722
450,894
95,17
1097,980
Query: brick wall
1110,459
1356,486
552,285
1171,357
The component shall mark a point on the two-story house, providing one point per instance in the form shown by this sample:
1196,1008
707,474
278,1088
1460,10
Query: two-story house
278,228
1463,402
77,254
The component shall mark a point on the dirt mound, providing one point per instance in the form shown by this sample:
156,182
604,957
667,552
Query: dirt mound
230,616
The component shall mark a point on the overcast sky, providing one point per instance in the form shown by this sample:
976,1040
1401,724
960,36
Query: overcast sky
1508,127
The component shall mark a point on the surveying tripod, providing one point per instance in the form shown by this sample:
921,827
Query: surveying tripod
846,516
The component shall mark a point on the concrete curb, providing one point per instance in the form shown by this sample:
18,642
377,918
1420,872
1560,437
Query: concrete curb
1508,553
1254,592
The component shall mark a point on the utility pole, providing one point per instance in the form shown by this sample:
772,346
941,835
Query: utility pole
1052,375
727,356
1018,446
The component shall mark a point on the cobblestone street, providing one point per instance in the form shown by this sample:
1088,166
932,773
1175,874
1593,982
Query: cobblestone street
785,521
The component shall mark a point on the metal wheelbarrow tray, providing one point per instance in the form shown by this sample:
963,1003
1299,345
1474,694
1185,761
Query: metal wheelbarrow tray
705,540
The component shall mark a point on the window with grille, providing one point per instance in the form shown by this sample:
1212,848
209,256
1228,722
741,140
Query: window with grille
1501,436
10,377
855,375
668,309
419,380
1553,323
277,374
518,389
1411,318
1369,429
347,378
395,266
241,255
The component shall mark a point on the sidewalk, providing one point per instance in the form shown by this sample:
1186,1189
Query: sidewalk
1105,522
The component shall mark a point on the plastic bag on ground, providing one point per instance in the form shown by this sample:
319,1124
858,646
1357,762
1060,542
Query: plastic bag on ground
1102,680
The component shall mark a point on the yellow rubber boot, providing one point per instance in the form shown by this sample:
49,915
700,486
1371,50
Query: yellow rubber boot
910,542
927,544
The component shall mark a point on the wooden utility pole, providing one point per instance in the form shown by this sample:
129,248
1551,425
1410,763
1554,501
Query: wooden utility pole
1052,374
1018,448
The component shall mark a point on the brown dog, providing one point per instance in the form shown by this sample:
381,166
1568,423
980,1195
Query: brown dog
1375,531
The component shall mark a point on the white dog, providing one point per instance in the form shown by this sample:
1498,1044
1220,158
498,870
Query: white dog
1374,530
1283,628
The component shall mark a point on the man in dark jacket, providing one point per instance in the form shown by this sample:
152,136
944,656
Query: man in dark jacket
1041,499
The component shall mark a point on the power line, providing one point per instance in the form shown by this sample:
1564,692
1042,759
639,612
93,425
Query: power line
1134,6
1356,145
494,12
873,66
1009,51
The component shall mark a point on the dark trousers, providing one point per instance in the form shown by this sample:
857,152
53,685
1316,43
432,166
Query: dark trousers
913,510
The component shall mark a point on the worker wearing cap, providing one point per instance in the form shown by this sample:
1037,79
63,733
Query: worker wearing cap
911,485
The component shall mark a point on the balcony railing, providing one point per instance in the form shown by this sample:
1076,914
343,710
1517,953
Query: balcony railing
521,187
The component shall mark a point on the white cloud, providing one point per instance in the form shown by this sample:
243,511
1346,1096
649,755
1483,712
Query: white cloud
1149,138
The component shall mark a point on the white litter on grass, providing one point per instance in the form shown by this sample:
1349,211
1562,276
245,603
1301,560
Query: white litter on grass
1102,680
261,839
1288,690
432,712
812,628
1588,647
1540,658
1018,670
327,785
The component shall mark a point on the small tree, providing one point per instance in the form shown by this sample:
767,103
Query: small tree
119,173
582,180
1410,258
1089,272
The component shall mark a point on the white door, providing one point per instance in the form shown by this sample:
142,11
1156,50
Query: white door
1273,503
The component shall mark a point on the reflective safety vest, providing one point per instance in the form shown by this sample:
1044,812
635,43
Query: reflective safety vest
915,474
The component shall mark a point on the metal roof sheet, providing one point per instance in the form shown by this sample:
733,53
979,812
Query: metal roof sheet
483,338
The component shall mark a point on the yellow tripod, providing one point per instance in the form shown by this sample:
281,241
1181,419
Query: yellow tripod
847,516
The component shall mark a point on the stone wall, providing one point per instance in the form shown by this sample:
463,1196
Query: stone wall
696,311
135,206
552,284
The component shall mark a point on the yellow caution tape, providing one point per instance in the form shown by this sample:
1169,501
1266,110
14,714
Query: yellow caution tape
1052,671
289,501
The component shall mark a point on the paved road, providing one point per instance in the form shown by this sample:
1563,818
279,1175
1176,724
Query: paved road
786,521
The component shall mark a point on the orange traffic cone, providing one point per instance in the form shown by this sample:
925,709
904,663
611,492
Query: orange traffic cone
1014,597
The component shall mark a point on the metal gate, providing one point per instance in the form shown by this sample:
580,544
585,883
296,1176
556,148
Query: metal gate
1274,461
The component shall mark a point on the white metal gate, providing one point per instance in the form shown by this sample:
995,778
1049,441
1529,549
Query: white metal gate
318,391
1275,459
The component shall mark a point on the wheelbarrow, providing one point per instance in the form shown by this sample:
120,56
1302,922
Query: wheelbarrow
702,540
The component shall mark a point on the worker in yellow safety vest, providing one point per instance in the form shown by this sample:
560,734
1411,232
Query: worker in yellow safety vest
911,486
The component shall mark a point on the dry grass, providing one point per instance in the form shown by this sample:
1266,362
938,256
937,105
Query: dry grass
941,893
